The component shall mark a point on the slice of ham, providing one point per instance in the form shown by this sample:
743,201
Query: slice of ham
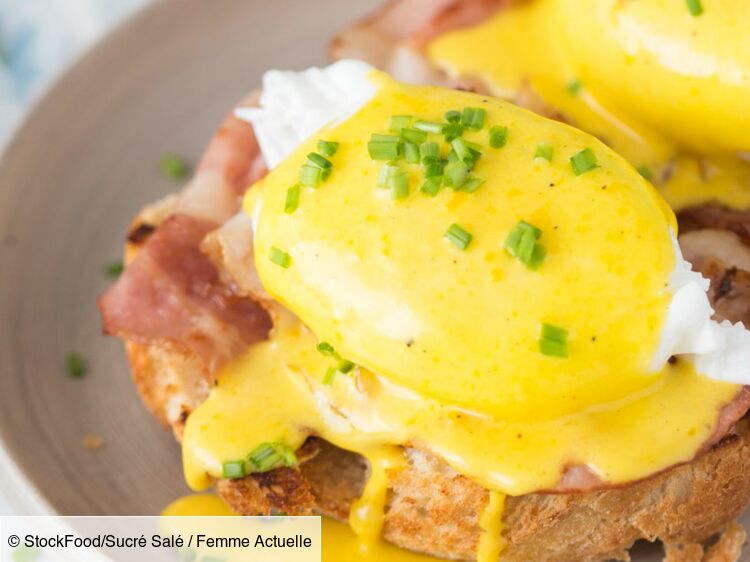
171,293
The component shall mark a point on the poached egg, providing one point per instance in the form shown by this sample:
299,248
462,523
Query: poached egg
404,319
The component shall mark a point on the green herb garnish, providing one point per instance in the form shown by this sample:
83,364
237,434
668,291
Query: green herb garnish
522,244
233,470
75,365
553,341
268,456
174,167
544,151
327,148
695,7
584,161
114,269
458,236
279,257
498,136
292,199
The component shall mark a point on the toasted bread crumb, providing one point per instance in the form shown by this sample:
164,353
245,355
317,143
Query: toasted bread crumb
729,546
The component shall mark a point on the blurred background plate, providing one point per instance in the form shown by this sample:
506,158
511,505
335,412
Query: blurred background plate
84,162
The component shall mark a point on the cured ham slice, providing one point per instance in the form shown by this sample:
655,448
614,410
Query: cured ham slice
171,293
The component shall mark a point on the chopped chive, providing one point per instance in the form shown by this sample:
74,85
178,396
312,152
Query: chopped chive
75,365
326,349
584,161
472,184
114,269
695,7
329,376
433,170
431,186
473,118
279,257
429,127
467,152
453,116
411,152
413,135
320,161
553,341
174,167
380,137
398,183
458,236
311,176
292,199
646,172
544,151
553,348
498,136
398,122
522,244
429,152
389,169
525,248
537,257
554,333
233,470
574,86
455,175
453,157
515,235
268,456
345,366
452,131
462,151
383,149
327,148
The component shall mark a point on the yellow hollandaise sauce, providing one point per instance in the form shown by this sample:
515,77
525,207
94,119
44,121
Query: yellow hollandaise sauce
505,322
277,392
665,88
339,543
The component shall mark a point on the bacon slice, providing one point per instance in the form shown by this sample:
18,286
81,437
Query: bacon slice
172,292
231,248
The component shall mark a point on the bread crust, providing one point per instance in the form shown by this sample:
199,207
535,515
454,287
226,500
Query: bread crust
433,509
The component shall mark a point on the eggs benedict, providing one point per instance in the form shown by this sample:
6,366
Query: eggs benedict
464,328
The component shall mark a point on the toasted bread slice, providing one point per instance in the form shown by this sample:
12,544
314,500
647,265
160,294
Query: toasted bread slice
433,509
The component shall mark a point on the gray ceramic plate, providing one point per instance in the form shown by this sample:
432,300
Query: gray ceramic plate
83,164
